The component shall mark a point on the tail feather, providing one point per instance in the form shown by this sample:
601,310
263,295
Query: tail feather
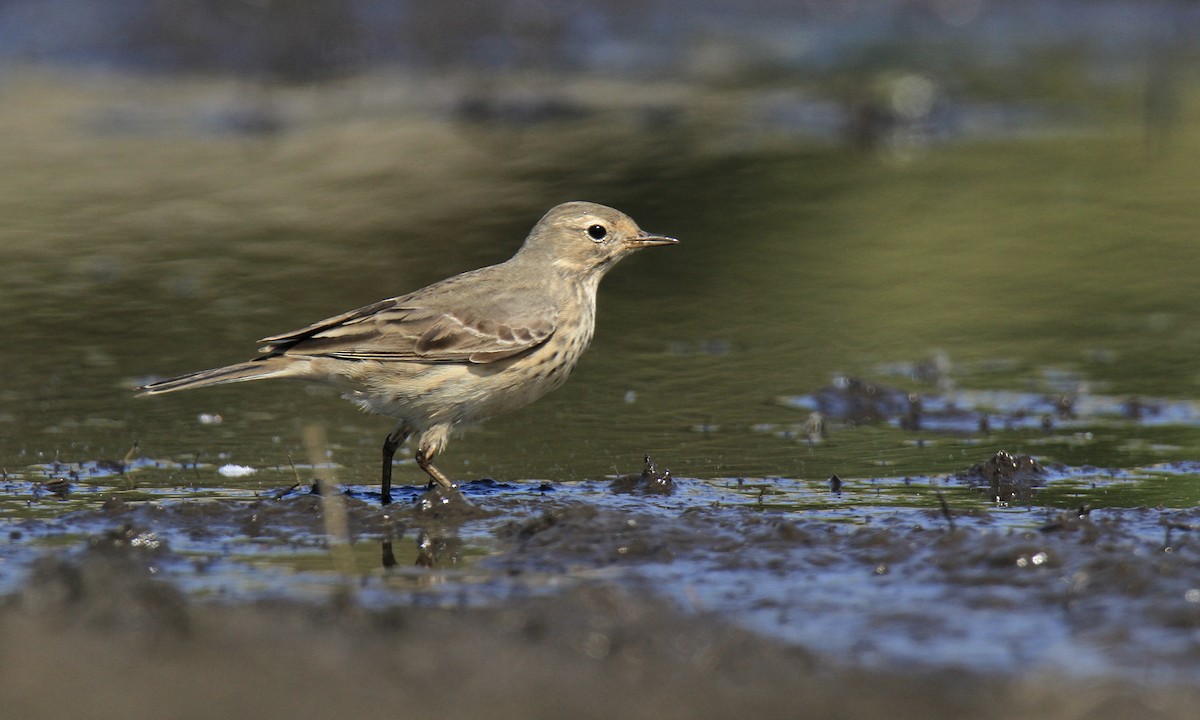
258,369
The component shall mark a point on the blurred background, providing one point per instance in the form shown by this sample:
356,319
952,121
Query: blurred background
913,233
1003,191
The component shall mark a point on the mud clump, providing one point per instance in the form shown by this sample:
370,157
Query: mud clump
577,532
1006,478
111,586
650,481
445,505
861,402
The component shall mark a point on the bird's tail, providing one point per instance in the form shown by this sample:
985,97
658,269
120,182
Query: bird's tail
258,369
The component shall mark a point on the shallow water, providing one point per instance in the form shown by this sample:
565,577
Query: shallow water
1030,294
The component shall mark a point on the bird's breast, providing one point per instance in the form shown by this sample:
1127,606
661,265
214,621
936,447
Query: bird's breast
549,365
457,393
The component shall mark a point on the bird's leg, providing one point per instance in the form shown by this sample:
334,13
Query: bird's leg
391,444
425,460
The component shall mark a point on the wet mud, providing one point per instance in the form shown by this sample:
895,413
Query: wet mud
599,599
128,645
1005,478
939,406
650,481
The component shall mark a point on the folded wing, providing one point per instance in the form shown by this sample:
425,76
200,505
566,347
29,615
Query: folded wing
407,329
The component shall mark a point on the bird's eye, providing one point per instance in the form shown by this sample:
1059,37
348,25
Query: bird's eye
597,232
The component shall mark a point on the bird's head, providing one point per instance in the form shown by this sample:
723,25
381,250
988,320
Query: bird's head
584,237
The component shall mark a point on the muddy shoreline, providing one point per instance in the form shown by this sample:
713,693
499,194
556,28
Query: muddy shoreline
552,604
100,633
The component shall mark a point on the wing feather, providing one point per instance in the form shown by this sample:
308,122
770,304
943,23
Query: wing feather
422,329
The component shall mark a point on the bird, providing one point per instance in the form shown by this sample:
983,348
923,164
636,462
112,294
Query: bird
463,349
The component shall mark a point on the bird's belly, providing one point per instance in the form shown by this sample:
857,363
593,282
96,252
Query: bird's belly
521,384
455,394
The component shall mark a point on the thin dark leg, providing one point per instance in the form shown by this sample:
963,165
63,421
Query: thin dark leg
391,444
425,460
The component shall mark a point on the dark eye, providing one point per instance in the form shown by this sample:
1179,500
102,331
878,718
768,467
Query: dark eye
597,232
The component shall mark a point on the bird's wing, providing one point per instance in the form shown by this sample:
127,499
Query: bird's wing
424,327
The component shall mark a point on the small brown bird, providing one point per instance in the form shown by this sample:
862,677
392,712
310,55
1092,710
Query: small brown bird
463,349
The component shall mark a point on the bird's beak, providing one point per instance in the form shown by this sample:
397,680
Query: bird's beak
650,240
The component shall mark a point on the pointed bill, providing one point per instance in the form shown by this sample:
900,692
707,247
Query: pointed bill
650,240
